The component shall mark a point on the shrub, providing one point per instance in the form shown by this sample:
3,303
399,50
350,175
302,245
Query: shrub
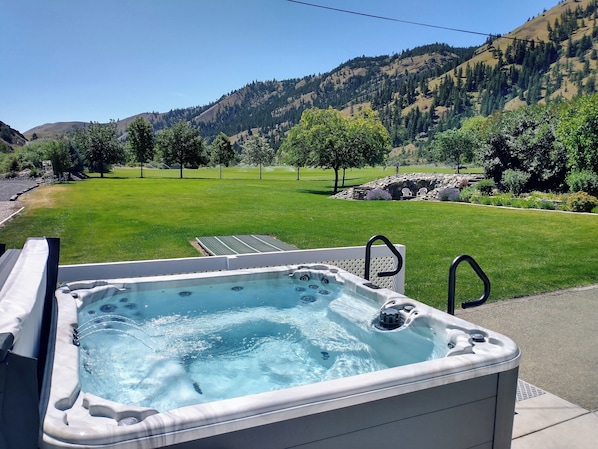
485,186
485,200
547,205
378,194
12,165
5,148
496,201
583,181
522,203
467,194
581,202
515,180
448,194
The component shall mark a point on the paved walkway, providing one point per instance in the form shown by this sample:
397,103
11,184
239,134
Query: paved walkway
558,336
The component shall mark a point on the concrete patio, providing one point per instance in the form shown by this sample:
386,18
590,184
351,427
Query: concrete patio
558,336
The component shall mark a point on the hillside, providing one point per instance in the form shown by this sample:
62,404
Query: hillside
552,56
10,138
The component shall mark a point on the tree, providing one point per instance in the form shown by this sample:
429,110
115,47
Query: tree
578,132
100,146
525,140
326,138
183,145
369,140
294,150
142,141
257,151
222,151
58,153
454,147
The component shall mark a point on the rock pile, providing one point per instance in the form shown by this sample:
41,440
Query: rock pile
421,186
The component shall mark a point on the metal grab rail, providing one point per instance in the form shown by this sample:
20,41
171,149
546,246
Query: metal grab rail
368,257
452,284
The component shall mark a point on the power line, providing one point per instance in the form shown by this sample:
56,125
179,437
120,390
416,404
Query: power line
373,16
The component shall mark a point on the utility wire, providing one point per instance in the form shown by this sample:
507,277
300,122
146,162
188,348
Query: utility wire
373,16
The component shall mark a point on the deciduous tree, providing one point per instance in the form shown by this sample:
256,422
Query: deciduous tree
369,141
525,140
183,145
453,147
578,132
326,138
142,141
295,149
58,153
100,146
222,151
257,151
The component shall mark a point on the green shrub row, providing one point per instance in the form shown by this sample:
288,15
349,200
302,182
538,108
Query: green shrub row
484,192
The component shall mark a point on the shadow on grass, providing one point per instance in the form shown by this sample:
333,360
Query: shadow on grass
328,191
322,192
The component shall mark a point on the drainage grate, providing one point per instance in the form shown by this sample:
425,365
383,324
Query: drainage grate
527,391
242,244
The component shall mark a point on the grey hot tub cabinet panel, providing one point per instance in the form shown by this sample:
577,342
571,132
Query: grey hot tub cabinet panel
474,414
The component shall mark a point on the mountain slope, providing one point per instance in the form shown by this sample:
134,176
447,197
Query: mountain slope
418,92
10,138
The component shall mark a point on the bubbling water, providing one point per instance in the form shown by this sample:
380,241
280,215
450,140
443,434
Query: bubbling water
167,348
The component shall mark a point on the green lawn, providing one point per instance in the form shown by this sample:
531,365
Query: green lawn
123,217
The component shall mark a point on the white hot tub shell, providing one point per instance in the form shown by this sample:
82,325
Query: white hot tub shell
465,400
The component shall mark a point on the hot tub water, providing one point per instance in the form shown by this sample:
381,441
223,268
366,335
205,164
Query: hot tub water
171,347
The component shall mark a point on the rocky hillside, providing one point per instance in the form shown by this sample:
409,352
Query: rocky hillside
417,92
10,138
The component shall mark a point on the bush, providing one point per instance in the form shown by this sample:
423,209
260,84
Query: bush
583,181
468,194
448,194
378,194
547,205
12,165
4,148
485,186
581,202
515,181
498,201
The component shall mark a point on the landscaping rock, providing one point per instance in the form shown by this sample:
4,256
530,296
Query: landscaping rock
417,186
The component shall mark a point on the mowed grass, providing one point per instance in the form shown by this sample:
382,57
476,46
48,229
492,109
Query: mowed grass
123,217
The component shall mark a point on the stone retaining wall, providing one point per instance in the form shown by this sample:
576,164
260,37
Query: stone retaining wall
422,186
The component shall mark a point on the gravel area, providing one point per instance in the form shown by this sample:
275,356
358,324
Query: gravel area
12,188
15,186
7,208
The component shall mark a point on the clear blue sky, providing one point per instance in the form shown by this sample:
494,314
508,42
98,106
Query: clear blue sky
79,60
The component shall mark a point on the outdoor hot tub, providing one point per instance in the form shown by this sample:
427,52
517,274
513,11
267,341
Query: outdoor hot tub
306,356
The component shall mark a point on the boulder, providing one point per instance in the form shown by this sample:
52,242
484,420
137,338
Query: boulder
416,186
